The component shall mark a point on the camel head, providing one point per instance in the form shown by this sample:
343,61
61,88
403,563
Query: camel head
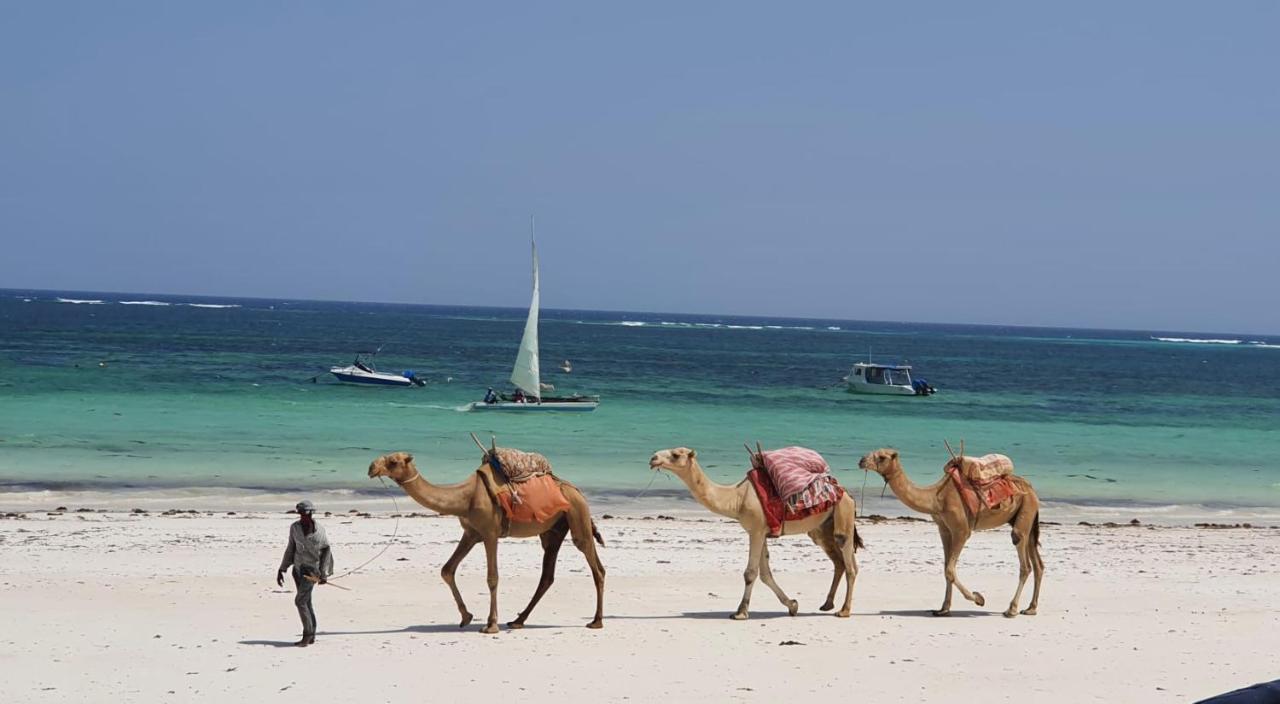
678,460
880,461
397,465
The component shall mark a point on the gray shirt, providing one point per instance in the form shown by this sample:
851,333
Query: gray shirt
305,551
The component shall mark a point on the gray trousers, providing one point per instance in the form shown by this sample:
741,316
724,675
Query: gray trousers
302,600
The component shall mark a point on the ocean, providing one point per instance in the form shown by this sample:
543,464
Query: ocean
106,394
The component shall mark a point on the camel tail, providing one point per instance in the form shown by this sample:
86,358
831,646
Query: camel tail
857,541
1035,530
596,533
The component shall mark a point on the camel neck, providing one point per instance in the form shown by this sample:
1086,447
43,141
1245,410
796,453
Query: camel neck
916,498
718,498
452,500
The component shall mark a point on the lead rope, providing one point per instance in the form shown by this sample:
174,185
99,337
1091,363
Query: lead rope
394,532
862,506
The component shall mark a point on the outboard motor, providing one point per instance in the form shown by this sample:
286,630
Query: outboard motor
408,374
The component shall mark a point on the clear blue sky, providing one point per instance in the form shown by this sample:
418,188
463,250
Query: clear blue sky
1088,164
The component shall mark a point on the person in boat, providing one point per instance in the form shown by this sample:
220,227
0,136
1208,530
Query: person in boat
309,555
518,396
490,396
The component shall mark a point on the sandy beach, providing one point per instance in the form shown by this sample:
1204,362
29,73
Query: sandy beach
183,607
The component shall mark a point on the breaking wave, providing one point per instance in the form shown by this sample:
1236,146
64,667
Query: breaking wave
1197,340
212,305
144,303
92,302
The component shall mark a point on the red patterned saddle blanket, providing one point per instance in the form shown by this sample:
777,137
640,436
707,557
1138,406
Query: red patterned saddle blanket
821,494
978,495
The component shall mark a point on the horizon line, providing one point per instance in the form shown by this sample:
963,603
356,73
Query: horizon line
642,312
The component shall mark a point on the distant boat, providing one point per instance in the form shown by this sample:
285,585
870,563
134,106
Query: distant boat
362,371
886,380
526,375
566,367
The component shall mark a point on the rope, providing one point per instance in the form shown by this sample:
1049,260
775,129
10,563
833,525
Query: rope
863,504
646,486
394,532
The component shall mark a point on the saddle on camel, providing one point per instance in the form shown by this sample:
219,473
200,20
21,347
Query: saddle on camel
792,483
523,485
983,482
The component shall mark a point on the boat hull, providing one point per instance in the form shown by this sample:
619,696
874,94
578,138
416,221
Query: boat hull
882,389
546,406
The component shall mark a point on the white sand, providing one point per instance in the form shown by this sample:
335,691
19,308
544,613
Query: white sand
112,607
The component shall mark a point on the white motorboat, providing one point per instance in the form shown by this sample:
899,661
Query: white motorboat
526,375
886,380
362,371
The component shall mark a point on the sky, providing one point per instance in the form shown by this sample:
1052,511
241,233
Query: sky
1091,164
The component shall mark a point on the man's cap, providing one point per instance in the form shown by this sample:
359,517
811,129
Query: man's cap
305,506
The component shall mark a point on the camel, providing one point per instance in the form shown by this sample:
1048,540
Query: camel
832,530
943,503
477,509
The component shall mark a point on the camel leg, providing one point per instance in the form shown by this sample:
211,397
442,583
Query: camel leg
1037,564
766,575
491,556
1022,541
468,541
850,560
551,542
824,540
754,554
580,527
956,545
1024,570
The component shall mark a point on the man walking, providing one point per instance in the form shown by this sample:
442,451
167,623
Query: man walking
308,554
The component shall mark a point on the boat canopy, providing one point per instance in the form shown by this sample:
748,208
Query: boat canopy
891,367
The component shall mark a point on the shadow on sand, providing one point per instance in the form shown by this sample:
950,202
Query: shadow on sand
927,613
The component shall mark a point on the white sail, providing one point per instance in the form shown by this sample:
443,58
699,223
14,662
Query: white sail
526,375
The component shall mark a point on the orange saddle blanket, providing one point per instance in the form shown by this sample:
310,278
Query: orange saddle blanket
534,500
980,495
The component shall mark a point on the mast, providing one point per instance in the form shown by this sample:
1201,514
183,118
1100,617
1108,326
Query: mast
526,374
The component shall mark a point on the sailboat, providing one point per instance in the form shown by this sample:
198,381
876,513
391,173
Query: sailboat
526,375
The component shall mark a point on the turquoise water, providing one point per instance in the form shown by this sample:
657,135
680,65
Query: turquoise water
218,397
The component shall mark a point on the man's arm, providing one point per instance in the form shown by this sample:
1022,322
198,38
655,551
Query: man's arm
288,553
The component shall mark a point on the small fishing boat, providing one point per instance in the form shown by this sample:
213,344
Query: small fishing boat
886,380
526,375
362,371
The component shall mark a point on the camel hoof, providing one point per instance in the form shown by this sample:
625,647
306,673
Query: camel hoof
827,606
515,625
1029,611
466,619
490,629
740,616
793,607
1011,613
941,612
977,599
843,614
596,624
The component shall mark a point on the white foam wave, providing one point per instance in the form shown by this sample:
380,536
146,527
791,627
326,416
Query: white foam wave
144,303
212,305
1197,340
89,301
832,327
1264,345
633,323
